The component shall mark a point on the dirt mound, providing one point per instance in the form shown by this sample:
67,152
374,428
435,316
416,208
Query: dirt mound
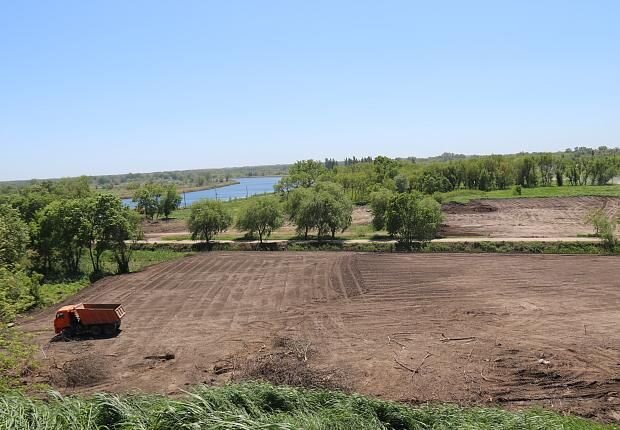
475,206
472,329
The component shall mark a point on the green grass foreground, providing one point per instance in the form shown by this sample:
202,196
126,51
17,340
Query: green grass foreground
263,406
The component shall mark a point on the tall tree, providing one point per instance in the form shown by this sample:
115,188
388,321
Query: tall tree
147,199
413,218
170,200
208,218
99,218
63,227
14,237
261,216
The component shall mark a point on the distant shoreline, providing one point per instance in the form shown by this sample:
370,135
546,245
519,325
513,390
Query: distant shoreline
192,189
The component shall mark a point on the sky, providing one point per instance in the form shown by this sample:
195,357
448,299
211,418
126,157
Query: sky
103,87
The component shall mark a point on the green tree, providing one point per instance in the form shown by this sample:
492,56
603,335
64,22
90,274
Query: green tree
62,228
14,237
378,205
413,218
124,227
147,199
402,183
208,218
170,200
546,164
261,216
305,173
335,209
385,168
99,217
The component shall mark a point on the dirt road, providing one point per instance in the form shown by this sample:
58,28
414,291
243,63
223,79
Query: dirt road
473,329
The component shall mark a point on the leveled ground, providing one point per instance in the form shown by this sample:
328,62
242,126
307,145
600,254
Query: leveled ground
525,217
508,217
473,329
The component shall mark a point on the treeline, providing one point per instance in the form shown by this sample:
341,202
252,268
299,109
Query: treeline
48,229
179,178
361,177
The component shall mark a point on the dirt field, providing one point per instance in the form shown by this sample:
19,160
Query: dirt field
531,217
473,329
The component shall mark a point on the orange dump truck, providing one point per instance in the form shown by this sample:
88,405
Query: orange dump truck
89,318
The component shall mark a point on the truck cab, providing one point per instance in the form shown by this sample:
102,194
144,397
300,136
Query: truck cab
63,320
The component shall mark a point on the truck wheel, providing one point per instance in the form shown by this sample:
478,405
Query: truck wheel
109,330
95,330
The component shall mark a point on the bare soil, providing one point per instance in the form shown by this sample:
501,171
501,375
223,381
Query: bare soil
525,217
472,329
514,218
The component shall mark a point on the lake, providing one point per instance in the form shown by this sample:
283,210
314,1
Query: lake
245,188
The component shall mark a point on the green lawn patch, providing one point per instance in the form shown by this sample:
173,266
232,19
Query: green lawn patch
464,196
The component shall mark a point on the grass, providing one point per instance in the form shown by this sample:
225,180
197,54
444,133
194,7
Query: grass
502,247
264,406
464,196
235,207
16,358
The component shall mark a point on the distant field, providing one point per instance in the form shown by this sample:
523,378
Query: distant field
464,196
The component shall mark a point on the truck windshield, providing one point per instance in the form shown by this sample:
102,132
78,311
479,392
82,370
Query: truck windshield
60,315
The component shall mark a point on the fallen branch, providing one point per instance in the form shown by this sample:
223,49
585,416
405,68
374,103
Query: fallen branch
453,339
404,367
390,340
417,369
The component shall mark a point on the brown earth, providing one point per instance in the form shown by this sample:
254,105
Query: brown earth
525,217
472,329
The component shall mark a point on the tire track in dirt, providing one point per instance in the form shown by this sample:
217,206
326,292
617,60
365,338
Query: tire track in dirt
483,322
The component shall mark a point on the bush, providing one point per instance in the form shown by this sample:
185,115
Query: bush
18,293
604,227
412,218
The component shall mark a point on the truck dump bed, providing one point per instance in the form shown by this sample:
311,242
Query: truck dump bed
100,313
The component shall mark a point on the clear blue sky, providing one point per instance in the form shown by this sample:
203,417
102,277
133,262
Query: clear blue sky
97,87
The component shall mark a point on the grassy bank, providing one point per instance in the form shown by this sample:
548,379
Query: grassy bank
499,246
263,406
464,196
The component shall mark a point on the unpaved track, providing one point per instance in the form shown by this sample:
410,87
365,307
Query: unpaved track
361,313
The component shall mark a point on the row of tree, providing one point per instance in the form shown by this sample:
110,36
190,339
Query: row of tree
360,177
317,205
323,209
